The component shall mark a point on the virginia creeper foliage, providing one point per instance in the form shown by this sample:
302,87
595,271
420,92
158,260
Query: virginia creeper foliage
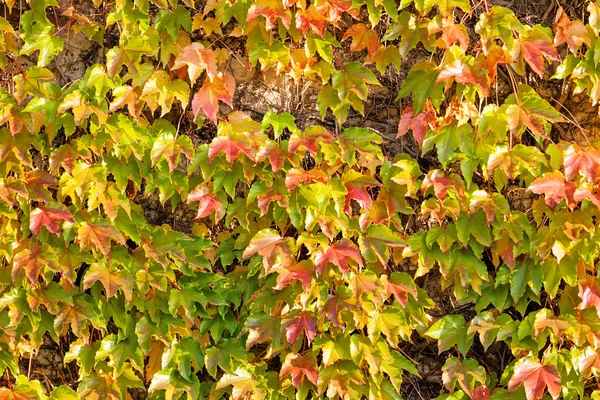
308,271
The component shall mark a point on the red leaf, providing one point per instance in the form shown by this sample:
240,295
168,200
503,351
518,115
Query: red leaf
273,151
533,46
221,88
400,289
465,74
496,55
419,124
269,244
339,254
49,216
574,33
358,193
332,311
98,235
309,139
270,10
296,176
362,38
552,186
302,271
264,200
304,321
311,19
299,367
232,145
197,59
442,184
589,294
582,161
535,377
207,202
36,182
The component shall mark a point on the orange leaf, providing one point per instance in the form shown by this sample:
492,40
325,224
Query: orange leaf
535,377
197,59
299,367
49,216
582,161
552,186
304,321
339,254
221,88
311,19
98,236
533,46
574,33
207,202
270,10
362,38
419,124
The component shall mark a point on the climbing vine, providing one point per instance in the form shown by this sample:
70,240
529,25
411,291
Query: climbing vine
305,273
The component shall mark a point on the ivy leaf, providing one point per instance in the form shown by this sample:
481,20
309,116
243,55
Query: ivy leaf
271,10
400,285
535,377
304,321
111,278
585,162
299,367
375,243
207,202
120,351
450,331
532,46
47,43
362,38
420,84
465,74
311,19
197,59
447,139
446,7
418,123
262,328
224,355
50,216
528,109
243,384
303,271
98,235
338,254
233,145
589,292
168,147
309,139
466,372
50,296
574,33
352,81
552,186
207,98
174,385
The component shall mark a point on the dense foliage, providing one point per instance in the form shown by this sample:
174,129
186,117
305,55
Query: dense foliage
305,273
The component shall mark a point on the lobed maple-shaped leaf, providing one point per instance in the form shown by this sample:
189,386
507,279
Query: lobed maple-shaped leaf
112,279
98,235
384,56
466,372
588,361
50,215
546,319
274,152
301,322
243,384
262,328
309,139
552,186
335,8
271,10
233,145
419,84
419,124
589,292
303,271
339,254
574,33
585,162
362,38
311,19
532,46
296,176
527,109
465,74
451,33
197,58
535,377
299,367
268,244
376,242
207,202
207,98
168,147
400,285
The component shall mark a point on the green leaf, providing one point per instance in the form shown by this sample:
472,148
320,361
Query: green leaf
451,331
420,85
